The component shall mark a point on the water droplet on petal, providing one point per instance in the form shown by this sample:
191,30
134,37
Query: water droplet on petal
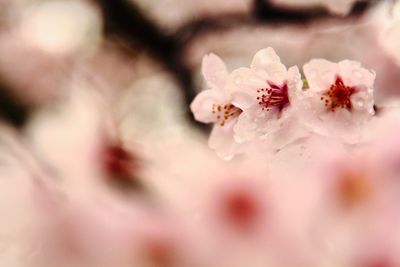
238,80
229,157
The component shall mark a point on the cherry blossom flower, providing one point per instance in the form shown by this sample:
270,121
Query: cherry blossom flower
339,101
214,106
267,94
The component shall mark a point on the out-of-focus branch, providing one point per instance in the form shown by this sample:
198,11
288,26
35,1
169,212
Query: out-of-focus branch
12,109
265,11
123,20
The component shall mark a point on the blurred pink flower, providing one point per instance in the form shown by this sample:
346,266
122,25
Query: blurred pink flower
389,38
214,106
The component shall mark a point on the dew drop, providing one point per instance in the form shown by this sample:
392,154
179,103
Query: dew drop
228,157
238,80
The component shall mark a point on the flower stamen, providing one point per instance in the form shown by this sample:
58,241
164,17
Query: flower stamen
273,97
225,112
338,96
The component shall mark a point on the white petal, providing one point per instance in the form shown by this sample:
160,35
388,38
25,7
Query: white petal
242,100
268,61
289,132
265,57
295,77
245,129
243,84
363,102
320,74
354,75
221,140
256,123
214,71
295,85
202,105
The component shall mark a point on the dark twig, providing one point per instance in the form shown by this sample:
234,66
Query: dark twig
263,13
264,10
12,109
123,20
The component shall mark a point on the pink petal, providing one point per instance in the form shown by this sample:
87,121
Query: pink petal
245,81
214,71
221,140
267,60
354,75
320,74
203,103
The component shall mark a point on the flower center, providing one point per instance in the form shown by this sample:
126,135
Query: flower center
338,96
121,167
225,112
241,208
353,188
160,253
273,97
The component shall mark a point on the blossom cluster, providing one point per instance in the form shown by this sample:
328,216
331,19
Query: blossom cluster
331,156
270,105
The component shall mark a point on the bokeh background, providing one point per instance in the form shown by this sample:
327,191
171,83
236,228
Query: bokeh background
95,125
